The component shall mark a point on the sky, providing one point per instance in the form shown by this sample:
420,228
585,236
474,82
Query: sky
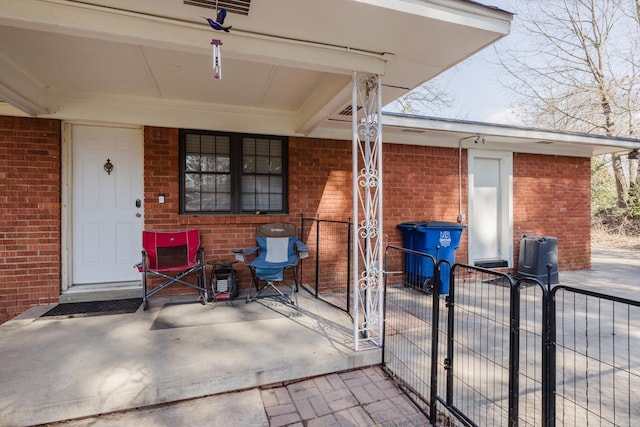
474,84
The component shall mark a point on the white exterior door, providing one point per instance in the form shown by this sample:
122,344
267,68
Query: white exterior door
486,202
106,206
490,207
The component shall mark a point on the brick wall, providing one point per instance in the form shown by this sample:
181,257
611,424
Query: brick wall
552,197
551,194
29,214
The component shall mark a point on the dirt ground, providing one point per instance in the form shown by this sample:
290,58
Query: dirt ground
608,239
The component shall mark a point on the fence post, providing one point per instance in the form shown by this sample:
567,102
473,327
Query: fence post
349,265
514,353
317,221
435,323
448,363
549,359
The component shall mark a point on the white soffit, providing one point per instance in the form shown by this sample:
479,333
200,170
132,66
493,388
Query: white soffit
288,61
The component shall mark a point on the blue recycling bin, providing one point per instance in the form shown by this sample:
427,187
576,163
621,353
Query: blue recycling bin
439,239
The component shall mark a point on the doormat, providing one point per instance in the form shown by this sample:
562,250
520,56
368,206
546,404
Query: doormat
94,308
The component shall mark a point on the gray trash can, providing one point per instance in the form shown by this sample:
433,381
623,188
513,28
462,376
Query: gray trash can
536,254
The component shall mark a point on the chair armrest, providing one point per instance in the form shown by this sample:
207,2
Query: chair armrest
303,250
144,263
241,254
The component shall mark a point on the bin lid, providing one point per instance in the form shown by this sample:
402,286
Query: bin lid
416,225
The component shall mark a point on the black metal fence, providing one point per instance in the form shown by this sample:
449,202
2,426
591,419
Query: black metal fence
327,271
496,351
597,351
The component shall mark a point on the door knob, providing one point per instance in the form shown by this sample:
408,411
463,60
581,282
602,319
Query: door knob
138,203
138,215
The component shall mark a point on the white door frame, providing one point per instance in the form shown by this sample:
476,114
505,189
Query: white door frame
67,199
506,201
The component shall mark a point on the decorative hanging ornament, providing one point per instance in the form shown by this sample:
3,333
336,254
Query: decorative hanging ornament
217,58
218,25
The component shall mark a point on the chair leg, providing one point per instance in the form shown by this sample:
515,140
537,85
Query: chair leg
145,304
271,284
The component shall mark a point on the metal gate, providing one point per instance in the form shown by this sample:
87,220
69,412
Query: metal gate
501,352
327,271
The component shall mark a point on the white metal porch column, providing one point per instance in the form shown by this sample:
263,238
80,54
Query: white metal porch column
367,262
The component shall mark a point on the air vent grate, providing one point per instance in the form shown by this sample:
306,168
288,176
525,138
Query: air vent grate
348,111
241,7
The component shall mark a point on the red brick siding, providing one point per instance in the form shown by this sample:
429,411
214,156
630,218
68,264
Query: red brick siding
418,183
552,198
421,183
29,214
551,194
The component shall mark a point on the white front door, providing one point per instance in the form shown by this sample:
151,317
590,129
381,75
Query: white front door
490,207
106,205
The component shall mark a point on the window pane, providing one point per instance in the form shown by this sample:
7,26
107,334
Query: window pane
249,164
208,183
248,146
275,147
223,202
248,184
192,181
262,184
208,163
275,185
223,163
222,145
192,201
276,165
208,144
208,202
192,162
193,144
275,202
262,147
262,165
262,202
248,202
223,184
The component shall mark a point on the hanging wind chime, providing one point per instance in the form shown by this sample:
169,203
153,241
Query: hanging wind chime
215,43
217,58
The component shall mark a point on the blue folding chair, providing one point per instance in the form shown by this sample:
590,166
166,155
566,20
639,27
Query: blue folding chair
277,256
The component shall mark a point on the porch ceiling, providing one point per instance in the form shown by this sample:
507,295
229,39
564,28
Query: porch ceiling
286,66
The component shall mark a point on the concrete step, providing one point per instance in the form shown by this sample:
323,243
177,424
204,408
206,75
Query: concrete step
102,292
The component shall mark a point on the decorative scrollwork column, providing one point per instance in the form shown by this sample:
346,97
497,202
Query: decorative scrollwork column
367,236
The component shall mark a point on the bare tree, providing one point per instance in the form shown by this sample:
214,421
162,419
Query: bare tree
583,74
429,98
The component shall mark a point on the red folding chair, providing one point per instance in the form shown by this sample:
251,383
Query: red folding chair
178,252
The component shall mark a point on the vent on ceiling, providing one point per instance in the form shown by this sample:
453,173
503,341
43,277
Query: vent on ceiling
348,111
241,7
413,130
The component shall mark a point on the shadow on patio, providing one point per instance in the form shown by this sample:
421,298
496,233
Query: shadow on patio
62,368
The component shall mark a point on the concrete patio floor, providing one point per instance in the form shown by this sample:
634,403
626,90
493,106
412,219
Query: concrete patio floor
57,369
182,363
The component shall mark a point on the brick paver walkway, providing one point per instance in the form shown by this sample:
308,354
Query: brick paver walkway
363,397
